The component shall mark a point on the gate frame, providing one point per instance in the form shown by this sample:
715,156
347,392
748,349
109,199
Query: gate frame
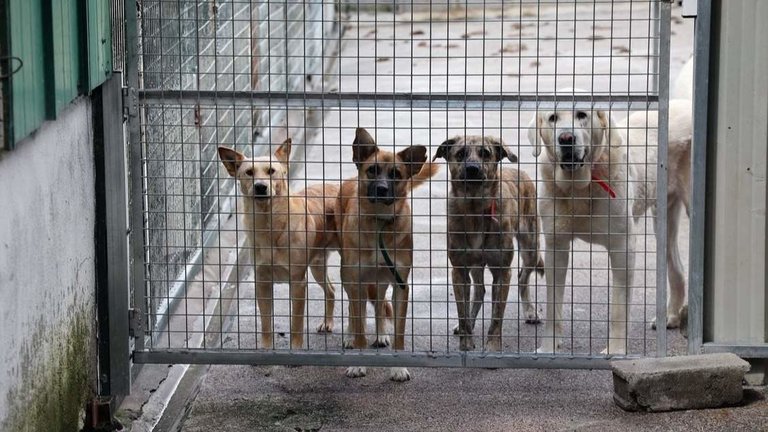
660,9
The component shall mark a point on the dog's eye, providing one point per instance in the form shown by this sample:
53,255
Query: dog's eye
372,170
270,171
485,153
394,174
553,118
249,172
459,155
581,115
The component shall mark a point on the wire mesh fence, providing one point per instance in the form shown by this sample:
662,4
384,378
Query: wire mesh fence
410,236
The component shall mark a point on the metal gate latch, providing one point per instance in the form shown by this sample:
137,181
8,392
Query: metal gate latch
135,325
130,103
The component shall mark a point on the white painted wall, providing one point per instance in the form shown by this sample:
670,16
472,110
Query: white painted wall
47,280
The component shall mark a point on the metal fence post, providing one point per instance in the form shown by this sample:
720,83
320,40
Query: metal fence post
661,180
111,238
136,216
698,177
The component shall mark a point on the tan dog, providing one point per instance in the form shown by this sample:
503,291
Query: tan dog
585,195
488,208
372,208
286,233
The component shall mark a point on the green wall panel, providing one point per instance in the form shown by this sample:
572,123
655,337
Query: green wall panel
27,85
99,42
66,49
65,72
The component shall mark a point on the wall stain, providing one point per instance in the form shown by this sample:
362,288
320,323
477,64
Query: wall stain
54,389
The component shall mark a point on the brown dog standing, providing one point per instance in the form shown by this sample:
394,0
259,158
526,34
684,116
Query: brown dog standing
488,208
372,209
286,233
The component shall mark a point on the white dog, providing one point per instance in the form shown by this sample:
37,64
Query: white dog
585,195
644,147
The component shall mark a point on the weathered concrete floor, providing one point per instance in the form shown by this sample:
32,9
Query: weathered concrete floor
246,398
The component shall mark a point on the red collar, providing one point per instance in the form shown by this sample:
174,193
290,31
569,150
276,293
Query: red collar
603,184
492,211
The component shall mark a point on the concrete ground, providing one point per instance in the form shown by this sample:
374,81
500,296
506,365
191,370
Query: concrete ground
246,398
405,53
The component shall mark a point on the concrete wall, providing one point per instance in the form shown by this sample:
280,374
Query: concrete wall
47,280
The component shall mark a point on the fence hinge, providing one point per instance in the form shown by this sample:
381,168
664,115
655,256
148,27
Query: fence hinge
130,103
690,8
135,326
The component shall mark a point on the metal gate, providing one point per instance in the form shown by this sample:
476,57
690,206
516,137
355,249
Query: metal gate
248,74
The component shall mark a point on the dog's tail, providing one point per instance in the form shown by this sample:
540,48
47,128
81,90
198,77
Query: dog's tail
427,172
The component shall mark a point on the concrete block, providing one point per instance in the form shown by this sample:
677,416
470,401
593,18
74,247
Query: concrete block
676,383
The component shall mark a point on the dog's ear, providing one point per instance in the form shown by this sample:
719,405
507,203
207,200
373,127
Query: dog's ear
414,158
363,146
442,151
231,159
283,153
611,134
502,151
534,136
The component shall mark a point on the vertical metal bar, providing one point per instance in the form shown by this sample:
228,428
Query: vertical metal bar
136,187
661,179
111,238
655,47
697,243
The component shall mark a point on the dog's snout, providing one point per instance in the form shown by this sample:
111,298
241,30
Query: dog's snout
570,160
473,171
570,157
566,138
381,192
260,190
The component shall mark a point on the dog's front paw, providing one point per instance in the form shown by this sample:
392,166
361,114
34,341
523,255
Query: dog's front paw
382,341
493,344
615,347
467,343
399,374
356,372
673,322
265,343
325,327
548,346
348,344
531,316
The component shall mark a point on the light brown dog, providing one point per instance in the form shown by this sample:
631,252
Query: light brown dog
488,208
372,210
287,232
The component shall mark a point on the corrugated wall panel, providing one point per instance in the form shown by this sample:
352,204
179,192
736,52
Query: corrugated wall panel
99,42
49,37
27,89
735,296
66,52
